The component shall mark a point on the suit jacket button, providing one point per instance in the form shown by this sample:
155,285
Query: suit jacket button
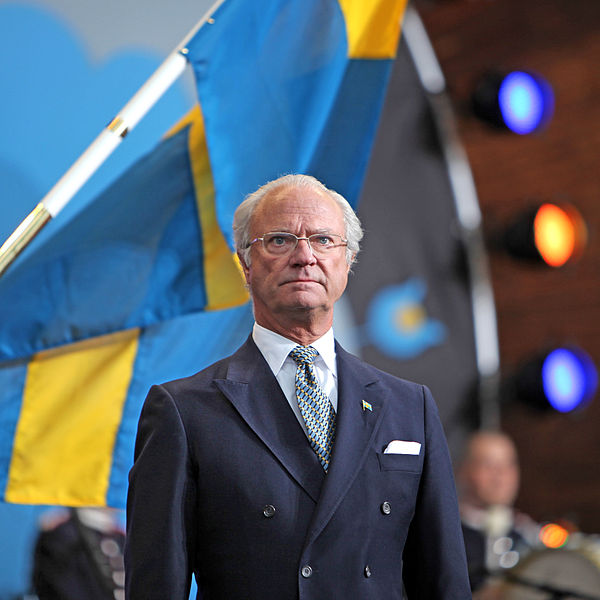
306,571
269,511
367,571
386,508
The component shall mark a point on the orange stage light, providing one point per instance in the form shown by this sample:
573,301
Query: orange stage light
553,535
549,234
559,233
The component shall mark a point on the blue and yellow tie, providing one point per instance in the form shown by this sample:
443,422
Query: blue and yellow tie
314,404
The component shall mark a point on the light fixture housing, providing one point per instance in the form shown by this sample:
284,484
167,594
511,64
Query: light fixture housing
562,379
547,233
517,101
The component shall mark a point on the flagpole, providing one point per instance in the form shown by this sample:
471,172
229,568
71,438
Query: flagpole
101,148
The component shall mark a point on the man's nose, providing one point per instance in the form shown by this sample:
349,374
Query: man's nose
303,253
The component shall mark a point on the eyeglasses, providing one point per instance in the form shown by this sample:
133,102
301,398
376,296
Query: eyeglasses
279,244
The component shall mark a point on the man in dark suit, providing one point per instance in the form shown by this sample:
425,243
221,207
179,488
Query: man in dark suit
292,469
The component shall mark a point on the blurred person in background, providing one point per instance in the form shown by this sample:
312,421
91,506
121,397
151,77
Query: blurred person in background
497,536
79,555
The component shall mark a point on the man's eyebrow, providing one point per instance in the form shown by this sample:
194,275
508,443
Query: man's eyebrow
315,232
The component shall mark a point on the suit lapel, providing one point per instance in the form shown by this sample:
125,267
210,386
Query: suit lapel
355,428
254,392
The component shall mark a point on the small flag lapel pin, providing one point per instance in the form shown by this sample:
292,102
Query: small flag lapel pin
366,405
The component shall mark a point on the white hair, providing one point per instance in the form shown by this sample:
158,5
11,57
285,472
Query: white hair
243,214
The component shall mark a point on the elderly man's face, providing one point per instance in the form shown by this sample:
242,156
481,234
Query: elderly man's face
290,286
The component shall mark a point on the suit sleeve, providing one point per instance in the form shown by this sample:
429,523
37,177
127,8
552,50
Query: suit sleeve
160,542
434,555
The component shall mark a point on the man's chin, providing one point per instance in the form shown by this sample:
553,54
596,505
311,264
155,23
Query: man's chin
303,301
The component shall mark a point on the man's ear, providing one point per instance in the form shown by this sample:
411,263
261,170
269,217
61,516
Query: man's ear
244,266
352,260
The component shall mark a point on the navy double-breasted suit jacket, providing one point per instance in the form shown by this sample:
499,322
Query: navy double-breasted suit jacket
226,486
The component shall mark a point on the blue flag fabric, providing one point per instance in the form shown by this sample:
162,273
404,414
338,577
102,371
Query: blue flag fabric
133,258
277,75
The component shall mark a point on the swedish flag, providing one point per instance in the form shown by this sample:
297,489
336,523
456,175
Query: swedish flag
134,289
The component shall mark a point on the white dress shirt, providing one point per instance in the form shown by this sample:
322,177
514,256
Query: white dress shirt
276,349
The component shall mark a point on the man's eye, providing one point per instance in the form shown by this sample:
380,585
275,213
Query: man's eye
324,240
278,240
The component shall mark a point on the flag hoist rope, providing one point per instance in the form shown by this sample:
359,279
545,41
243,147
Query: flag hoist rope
101,148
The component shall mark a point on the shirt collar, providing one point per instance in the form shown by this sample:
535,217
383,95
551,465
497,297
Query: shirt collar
275,348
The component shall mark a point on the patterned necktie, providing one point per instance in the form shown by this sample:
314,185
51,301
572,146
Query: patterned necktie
314,404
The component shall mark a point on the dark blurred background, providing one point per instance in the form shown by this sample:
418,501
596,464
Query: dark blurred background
537,307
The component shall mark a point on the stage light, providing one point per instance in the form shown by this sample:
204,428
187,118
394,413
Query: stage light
519,101
563,380
553,535
554,234
569,379
548,233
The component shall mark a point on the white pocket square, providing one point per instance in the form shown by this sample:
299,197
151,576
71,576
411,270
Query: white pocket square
402,447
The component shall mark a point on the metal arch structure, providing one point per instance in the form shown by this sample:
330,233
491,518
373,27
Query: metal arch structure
469,217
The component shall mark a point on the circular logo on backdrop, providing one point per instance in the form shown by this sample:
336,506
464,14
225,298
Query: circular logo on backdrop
398,324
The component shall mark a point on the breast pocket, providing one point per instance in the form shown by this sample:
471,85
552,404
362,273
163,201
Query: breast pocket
400,462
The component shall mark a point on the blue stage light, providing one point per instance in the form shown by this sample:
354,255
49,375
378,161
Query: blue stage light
525,102
561,379
518,101
569,379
